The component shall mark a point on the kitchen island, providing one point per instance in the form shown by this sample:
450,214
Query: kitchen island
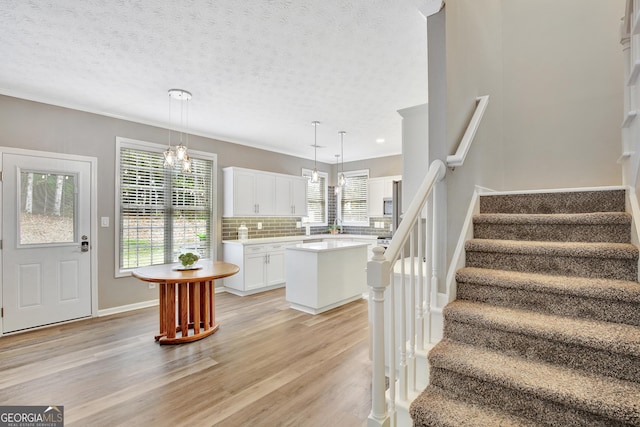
325,275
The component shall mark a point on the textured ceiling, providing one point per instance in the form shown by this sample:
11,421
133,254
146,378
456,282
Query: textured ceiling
260,70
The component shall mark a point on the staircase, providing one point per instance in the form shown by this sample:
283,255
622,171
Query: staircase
546,326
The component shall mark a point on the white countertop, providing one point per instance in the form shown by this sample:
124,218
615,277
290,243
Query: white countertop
303,238
326,246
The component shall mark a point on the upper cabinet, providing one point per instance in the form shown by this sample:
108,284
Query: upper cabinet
291,195
380,189
250,192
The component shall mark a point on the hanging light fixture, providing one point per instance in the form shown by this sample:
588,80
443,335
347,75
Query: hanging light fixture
180,156
341,179
314,174
338,187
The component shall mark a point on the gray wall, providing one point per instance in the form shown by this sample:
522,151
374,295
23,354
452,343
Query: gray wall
563,92
36,126
473,68
554,74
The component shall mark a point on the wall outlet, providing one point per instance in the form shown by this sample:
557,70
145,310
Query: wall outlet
104,221
298,224
152,285
259,226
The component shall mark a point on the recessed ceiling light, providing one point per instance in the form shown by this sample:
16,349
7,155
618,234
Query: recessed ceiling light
380,140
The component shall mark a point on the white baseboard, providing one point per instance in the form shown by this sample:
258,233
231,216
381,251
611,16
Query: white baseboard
138,305
245,293
556,190
128,307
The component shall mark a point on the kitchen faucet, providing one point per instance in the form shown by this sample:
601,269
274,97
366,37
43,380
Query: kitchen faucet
338,222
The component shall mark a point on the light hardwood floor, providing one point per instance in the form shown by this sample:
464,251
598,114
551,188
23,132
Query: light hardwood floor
268,365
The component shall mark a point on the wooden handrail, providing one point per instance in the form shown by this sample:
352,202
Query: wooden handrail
457,159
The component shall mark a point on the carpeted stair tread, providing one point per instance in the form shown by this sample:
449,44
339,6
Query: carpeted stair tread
545,329
620,290
613,337
609,397
434,408
576,227
555,202
589,218
566,249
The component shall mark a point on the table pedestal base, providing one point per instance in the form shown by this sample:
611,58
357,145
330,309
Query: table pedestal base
195,317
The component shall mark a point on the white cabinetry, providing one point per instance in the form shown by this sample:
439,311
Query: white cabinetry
291,195
248,192
380,189
256,193
262,266
371,243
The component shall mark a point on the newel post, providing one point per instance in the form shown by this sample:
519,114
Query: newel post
378,280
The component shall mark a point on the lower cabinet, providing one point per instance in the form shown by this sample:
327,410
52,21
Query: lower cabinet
262,267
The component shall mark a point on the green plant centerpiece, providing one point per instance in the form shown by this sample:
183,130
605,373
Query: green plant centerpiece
188,259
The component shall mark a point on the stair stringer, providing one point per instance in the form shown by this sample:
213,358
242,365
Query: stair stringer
633,207
458,259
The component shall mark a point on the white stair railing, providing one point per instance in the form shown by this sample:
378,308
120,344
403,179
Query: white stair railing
411,308
409,315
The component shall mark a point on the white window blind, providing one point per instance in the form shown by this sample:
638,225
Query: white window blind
317,198
353,199
162,211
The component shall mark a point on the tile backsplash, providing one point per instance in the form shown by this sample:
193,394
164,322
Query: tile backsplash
286,226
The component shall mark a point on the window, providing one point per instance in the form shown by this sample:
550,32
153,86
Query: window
352,201
317,198
47,199
162,211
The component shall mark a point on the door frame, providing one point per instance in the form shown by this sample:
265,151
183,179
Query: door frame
93,215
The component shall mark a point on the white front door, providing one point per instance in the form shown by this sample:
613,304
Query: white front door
46,240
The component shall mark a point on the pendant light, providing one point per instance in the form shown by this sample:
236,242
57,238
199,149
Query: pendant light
314,174
180,156
338,187
341,178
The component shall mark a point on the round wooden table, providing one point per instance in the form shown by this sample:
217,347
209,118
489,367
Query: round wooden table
196,298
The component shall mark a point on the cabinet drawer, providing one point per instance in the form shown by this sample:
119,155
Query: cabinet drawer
281,246
254,249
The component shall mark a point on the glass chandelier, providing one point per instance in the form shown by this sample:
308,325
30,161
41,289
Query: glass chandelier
179,157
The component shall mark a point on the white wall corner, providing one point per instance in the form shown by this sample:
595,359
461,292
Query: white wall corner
430,7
